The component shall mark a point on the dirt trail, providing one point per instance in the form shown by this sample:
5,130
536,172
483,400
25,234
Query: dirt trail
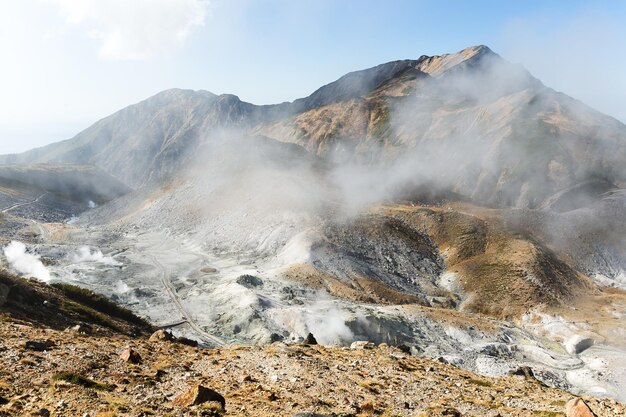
27,203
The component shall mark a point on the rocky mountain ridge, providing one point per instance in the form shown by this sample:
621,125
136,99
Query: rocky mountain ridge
511,140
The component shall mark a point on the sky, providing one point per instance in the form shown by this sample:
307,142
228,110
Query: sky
67,63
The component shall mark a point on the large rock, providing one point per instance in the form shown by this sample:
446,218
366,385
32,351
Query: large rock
187,341
310,340
39,345
361,344
249,281
162,335
576,407
579,343
199,394
130,355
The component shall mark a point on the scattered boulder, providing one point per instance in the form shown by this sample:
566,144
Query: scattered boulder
362,344
310,340
576,407
162,335
248,378
578,343
199,394
80,328
444,412
187,341
275,337
39,345
404,348
524,371
310,414
249,281
367,407
130,355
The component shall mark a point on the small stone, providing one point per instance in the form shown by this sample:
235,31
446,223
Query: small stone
576,407
367,407
444,412
248,378
130,355
361,344
199,394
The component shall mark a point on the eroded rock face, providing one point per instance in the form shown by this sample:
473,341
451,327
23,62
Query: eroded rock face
576,407
199,394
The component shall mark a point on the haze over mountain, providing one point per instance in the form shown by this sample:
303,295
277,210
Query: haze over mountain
496,133
451,203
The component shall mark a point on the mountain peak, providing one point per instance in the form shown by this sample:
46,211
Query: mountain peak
438,64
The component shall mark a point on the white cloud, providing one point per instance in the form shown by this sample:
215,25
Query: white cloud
134,29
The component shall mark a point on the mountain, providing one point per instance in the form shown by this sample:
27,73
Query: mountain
453,204
498,136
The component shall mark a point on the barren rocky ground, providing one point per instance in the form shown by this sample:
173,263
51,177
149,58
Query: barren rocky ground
87,375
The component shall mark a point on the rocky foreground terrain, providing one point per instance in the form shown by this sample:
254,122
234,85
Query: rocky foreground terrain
101,365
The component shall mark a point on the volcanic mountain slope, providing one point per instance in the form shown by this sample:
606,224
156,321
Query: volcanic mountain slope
417,202
52,193
496,134
97,368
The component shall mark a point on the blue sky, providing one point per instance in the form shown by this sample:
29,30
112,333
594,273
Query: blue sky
67,63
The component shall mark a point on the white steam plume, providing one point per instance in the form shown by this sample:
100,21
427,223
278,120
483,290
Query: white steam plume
85,254
25,263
